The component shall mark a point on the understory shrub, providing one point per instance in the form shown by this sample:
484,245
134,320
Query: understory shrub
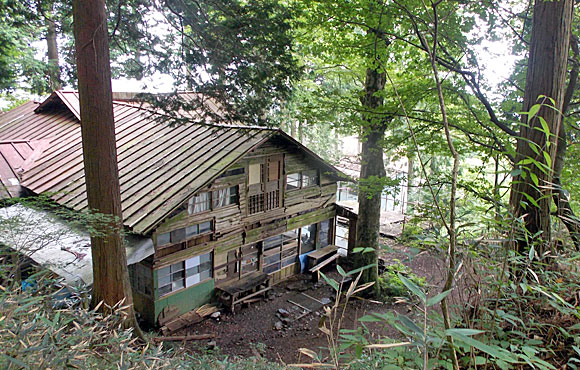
391,284
36,335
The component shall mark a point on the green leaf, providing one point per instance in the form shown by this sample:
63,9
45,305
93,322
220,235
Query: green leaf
531,253
438,298
526,161
534,178
340,270
464,331
545,128
529,351
409,324
330,281
548,159
356,271
494,351
413,288
533,111
534,148
531,200
516,172
16,362
369,318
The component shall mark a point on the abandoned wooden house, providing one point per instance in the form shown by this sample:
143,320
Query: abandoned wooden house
221,204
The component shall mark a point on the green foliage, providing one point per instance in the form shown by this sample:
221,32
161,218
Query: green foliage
391,284
35,335
239,53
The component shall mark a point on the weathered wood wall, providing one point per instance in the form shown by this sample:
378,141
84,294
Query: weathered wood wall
234,228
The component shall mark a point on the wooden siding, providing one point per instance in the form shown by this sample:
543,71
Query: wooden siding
233,228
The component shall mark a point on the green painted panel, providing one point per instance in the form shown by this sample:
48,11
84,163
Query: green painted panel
186,299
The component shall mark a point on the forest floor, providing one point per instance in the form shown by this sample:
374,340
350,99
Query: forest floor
259,329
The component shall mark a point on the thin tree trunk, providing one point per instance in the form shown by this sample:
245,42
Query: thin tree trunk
372,171
410,182
452,196
546,75
52,51
111,279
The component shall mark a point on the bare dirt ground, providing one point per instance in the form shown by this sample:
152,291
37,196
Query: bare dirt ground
259,329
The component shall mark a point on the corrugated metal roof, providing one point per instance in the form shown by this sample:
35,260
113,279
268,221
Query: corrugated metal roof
160,166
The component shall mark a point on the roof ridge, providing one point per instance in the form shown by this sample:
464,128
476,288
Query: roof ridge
221,125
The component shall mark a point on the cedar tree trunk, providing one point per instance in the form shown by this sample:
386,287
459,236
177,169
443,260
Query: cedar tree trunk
111,279
546,76
371,173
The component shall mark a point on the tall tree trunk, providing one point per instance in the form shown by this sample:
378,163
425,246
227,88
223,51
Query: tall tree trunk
52,51
371,175
546,75
111,279
560,196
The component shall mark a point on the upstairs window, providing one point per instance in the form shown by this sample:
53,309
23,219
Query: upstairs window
210,200
184,234
303,179
309,178
224,197
294,181
199,203
264,184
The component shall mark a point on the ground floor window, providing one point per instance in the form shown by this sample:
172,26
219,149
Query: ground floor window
324,233
250,258
342,235
308,238
184,274
280,251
